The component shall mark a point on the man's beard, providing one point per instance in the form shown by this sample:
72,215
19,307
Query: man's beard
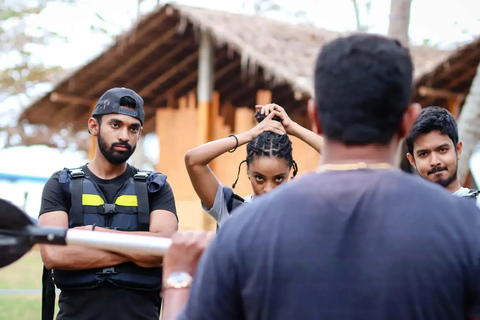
113,156
444,182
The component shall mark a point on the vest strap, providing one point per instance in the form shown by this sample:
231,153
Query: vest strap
76,195
48,295
140,179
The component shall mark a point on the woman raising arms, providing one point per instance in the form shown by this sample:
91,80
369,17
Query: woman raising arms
269,160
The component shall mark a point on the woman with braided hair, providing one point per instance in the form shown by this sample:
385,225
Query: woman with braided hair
269,160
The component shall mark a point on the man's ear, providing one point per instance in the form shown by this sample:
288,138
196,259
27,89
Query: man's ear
411,159
408,120
313,116
459,149
93,127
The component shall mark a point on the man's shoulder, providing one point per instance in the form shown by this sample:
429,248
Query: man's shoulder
315,190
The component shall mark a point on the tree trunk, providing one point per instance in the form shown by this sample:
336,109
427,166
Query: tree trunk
399,20
398,29
469,126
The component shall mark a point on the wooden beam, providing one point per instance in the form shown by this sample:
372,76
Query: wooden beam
443,72
454,105
458,80
284,92
71,99
142,54
117,49
231,88
165,76
193,76
142,76
183,86
245,93
438,93
64,113
464,77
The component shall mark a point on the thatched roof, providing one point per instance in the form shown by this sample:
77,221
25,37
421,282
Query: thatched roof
158,58
452,77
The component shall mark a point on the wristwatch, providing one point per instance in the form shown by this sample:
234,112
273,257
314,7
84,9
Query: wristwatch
178,280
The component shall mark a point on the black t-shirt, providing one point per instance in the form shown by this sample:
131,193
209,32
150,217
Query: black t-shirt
106,301
55,198
363,245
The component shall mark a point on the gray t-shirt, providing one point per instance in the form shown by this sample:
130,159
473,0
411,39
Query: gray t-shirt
344,245
463,192
225,202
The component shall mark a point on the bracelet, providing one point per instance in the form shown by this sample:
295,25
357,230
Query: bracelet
233,150
93,227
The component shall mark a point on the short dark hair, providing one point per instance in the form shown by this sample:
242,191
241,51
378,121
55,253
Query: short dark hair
363,85
98,117
127,102
433,119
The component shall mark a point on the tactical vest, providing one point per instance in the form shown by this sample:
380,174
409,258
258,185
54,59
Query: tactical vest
129,212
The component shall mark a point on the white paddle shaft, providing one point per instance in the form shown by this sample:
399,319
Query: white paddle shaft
119,242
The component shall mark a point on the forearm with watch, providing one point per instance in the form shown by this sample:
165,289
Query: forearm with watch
175,291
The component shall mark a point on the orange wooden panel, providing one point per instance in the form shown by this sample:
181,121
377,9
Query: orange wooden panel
264,97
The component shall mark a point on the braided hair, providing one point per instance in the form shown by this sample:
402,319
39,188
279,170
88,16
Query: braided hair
269,144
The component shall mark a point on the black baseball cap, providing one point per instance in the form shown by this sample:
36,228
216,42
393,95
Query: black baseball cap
109,102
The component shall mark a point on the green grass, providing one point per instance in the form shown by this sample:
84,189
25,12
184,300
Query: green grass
24,307
25,273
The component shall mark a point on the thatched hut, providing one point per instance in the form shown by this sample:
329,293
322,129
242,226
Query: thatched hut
201,72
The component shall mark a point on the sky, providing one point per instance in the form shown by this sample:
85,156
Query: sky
442,23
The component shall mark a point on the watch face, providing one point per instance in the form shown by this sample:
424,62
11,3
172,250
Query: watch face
179,277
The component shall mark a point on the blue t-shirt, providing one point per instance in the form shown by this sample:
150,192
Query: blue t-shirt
363,245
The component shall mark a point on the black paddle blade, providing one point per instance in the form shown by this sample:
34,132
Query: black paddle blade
18,233
14,239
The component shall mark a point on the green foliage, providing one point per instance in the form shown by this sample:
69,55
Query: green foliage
18,70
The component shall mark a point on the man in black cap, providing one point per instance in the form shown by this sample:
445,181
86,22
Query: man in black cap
108,195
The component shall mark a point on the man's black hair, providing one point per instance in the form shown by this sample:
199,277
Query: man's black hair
433,119
363,85
124,102
269,144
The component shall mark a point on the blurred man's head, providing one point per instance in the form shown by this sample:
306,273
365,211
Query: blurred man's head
363,87
433,146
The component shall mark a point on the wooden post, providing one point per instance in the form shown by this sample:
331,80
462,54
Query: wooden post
205,87
264,97
93,140
204,96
